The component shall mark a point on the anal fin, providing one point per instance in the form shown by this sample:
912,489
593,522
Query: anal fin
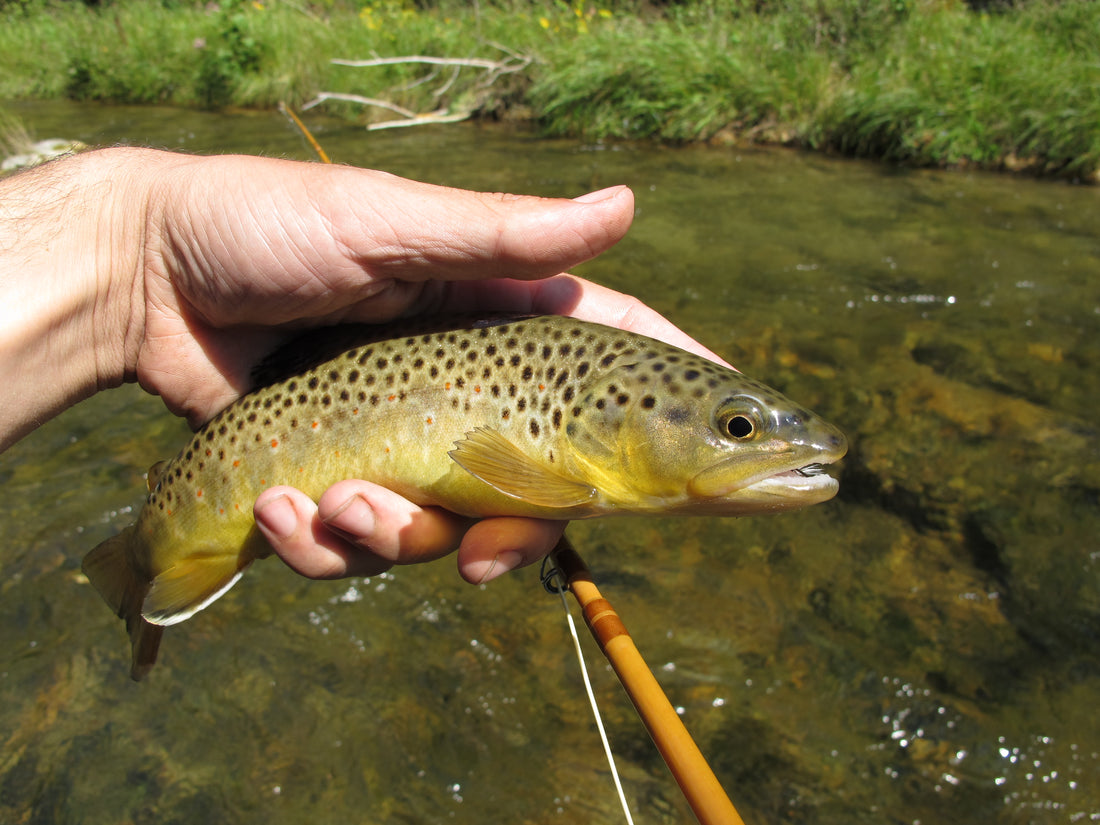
191,584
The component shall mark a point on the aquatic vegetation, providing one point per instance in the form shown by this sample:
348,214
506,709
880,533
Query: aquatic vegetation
918,82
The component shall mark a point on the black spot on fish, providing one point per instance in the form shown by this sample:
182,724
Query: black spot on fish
534,427
582,369
649,402
302,398
608,360
622,398
555,420
333,375
600,404
353,376
691,375
312,384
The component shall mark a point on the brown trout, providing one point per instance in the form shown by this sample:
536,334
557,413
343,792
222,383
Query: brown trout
540,416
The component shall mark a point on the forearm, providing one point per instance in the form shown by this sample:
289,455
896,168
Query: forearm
70,262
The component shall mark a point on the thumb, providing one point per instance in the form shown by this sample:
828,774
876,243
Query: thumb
419,231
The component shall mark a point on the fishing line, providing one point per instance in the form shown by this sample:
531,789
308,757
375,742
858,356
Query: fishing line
559,587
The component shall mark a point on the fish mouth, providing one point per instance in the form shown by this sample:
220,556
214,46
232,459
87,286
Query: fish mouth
808,480
725,490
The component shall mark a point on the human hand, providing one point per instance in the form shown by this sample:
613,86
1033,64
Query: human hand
202,265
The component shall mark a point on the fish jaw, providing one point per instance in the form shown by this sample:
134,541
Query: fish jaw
787,479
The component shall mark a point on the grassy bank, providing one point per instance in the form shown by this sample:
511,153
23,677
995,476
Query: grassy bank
925,82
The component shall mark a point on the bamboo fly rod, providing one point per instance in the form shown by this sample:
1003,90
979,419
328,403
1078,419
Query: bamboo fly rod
688,765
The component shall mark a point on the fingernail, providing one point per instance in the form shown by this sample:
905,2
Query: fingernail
353,519
278,517
508,560
600,195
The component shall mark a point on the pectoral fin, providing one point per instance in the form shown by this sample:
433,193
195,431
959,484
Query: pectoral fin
498,462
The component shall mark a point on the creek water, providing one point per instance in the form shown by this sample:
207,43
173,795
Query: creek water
923,649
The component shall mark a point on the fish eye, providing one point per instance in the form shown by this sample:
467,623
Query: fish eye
740,427
740,418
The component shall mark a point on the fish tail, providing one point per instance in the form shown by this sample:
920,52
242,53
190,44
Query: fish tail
109,570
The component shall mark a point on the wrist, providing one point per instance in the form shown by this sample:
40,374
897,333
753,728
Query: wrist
71,249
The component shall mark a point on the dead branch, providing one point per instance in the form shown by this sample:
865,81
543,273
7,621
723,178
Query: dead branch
493,69
364,101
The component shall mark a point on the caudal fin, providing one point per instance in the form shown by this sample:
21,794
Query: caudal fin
172,596
109,570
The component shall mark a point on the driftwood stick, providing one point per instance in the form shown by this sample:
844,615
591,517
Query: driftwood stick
364,101
473,62
420,120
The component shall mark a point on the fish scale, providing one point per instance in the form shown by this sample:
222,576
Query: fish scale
542,416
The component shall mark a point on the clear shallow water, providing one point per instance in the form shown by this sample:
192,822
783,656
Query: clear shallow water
922,649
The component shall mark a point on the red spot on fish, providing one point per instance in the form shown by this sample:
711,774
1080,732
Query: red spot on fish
210,452
198,494
274,443
392,397
542,386
221,511
447,386
315,424
237,463
428,420
477,388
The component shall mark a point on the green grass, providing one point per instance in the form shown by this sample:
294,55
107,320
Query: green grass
924,82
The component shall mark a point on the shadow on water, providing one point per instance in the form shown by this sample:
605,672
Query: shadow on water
923,649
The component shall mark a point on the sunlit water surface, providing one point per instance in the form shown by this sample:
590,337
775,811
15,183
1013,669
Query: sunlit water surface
921,650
